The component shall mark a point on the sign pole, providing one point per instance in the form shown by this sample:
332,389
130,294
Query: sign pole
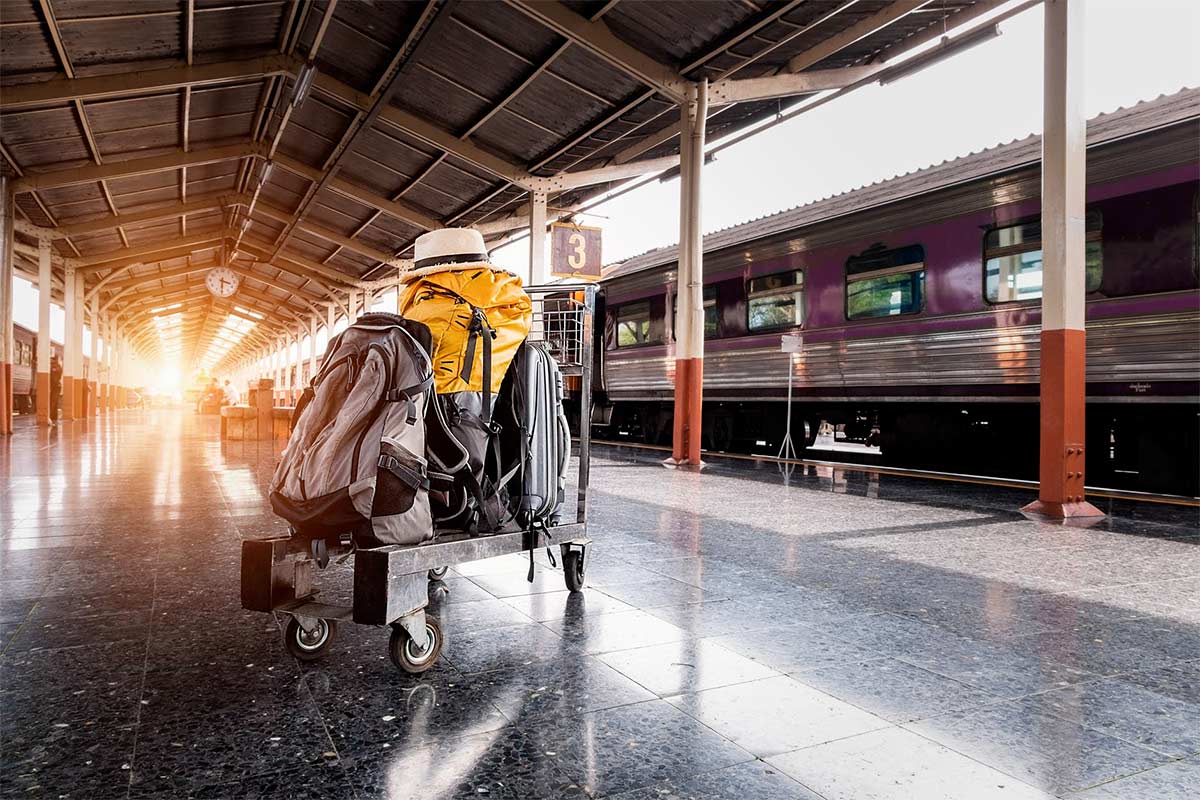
790,344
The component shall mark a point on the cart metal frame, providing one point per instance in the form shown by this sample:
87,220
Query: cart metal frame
391,583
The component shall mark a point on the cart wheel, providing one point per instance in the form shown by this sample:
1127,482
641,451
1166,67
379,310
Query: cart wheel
405,654
308,646
438,573
573,569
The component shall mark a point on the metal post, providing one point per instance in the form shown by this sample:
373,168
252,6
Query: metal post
689,314
6,306
1064,188
539,275
787,449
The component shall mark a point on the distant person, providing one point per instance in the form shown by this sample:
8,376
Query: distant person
55,388
231,394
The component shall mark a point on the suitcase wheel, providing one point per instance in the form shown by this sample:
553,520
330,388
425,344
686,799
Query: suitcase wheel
311,644
573,569
407,656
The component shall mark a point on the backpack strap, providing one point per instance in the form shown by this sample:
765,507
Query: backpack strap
413,478
305,398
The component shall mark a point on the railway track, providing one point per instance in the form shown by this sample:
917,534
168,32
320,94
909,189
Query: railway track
984,480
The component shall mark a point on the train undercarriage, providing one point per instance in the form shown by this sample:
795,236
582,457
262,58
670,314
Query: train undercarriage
1147,447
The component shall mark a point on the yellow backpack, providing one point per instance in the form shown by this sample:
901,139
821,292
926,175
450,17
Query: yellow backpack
473,311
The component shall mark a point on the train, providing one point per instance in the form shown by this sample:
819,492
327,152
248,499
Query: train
25,344
915,305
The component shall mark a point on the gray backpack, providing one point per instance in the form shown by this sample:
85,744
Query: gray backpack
355,462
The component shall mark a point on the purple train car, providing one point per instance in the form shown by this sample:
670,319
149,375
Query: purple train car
916,301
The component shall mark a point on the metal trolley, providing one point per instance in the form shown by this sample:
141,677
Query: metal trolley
391,583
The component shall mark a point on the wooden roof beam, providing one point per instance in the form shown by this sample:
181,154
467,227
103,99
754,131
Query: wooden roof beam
102,87
34,181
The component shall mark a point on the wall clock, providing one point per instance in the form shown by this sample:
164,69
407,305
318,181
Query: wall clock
221,282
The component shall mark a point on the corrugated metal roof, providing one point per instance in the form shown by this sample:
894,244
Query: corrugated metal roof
1145,116
404,89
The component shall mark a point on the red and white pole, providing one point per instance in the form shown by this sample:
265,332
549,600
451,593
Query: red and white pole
689,304
1064,160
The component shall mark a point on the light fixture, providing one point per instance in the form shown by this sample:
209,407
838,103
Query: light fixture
304,82
945,48
266,173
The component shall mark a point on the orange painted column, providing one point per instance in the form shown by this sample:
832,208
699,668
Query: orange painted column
689,293
1063,389
7,225
44,348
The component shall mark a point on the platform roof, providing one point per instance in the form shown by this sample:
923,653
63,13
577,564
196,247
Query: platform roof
308,142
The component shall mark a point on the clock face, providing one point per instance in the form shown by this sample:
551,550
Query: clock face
222,282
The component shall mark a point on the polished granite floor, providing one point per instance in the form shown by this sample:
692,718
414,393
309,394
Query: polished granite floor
746,634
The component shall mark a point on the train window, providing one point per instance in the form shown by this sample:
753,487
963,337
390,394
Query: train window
633,324
1012,259
775,301
712,316
24,354
884,283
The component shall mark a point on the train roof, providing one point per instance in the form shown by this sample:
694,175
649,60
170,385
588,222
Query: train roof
1141,118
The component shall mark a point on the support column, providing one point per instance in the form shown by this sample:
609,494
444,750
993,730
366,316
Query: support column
71,346
81,376
539,275
312,348
93,377
1063,383
6,307
352,304
689,311
45,285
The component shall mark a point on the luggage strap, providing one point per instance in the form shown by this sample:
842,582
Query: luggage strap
410,477
480,330
406,395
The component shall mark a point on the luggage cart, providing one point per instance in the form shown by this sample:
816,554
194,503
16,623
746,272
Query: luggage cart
391,583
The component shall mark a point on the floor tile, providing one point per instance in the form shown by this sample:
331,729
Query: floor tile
609,632
893,689
793,648
753,779
775,715
688,665
1039,748
895,764
1176,780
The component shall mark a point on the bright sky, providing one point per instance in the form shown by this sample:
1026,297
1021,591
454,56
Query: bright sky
1135,50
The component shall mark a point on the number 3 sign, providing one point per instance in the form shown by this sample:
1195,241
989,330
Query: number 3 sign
574,251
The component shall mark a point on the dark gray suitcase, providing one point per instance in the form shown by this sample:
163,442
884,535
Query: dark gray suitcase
543,483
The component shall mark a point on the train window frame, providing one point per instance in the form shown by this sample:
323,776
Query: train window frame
709,302
647,319
918,265
1094,235
797,290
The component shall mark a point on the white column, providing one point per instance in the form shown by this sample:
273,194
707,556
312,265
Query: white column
93,395
352,303
312,347
689,314
45,284
538,273
1063,389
